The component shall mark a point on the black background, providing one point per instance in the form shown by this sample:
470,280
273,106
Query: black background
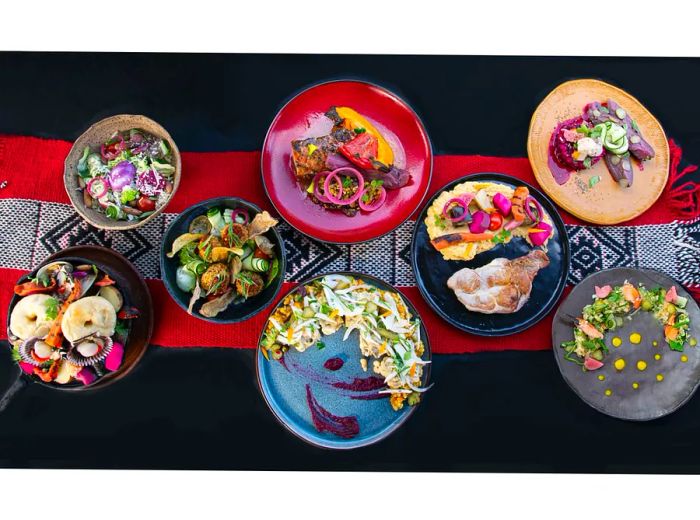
200,408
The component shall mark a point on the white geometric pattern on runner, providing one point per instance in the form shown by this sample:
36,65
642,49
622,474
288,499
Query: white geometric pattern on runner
41,228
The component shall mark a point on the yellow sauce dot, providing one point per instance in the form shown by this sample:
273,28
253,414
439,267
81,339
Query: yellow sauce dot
657,357
601,377
641,365
619,364
608,392
635,385
616,341
659,377
692,342
655,343
684,358
635,338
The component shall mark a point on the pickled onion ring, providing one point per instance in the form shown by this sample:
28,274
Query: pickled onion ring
538,208
320,177
459,201
335,175
374,205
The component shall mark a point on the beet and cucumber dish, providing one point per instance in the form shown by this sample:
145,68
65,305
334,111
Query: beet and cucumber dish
603,131
128,177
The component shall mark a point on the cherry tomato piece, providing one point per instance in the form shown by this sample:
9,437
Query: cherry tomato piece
496,221
145,203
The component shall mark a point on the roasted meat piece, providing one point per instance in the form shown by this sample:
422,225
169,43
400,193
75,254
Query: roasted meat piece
310,155
500,287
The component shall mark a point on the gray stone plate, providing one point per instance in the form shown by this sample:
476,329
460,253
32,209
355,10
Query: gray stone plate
652,399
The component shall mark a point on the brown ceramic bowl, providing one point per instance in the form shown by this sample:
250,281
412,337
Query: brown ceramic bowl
136,294
94,137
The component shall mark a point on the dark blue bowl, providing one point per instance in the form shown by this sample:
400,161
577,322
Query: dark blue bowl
287,386
236,311
432,271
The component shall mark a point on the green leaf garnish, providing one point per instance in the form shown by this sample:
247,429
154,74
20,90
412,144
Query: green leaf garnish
587,162
51,306
320,345
501,237
439,222
583,129
593,180
359,130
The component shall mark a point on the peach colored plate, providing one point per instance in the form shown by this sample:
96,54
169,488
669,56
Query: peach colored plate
605,202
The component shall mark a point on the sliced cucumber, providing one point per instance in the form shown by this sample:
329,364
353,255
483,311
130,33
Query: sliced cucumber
258,265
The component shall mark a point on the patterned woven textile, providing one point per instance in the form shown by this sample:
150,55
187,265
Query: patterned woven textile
37,220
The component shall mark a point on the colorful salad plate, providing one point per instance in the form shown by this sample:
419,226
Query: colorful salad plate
625,341
482,263
122,172
343,360
346,161
223,260
598,152
81,320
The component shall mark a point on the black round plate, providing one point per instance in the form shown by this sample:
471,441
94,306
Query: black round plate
432,271
651,399
236,311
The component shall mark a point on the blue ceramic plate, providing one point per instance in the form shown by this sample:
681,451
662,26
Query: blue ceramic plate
238,310
432,271
320,380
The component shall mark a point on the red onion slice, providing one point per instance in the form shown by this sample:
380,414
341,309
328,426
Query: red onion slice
458,201
538,208
335,175
243,213
375,205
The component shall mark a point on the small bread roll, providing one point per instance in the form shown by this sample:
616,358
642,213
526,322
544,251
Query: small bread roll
89,315
29,316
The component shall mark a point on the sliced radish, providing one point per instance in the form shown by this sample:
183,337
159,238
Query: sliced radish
671,294
592,364
602,292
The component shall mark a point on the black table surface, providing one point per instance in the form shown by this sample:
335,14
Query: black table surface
200,408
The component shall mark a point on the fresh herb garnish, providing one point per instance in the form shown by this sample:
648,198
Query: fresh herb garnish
15,354
583,129
501,237
593,180
347,182
51,305
42,280
587,162
359,130
121,328
439,222
320,345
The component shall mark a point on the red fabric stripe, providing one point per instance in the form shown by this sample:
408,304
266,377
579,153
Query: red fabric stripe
191,331
33,168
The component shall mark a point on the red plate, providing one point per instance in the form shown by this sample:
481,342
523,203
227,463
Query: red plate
303,117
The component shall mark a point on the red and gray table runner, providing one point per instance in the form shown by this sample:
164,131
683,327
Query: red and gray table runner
36,220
